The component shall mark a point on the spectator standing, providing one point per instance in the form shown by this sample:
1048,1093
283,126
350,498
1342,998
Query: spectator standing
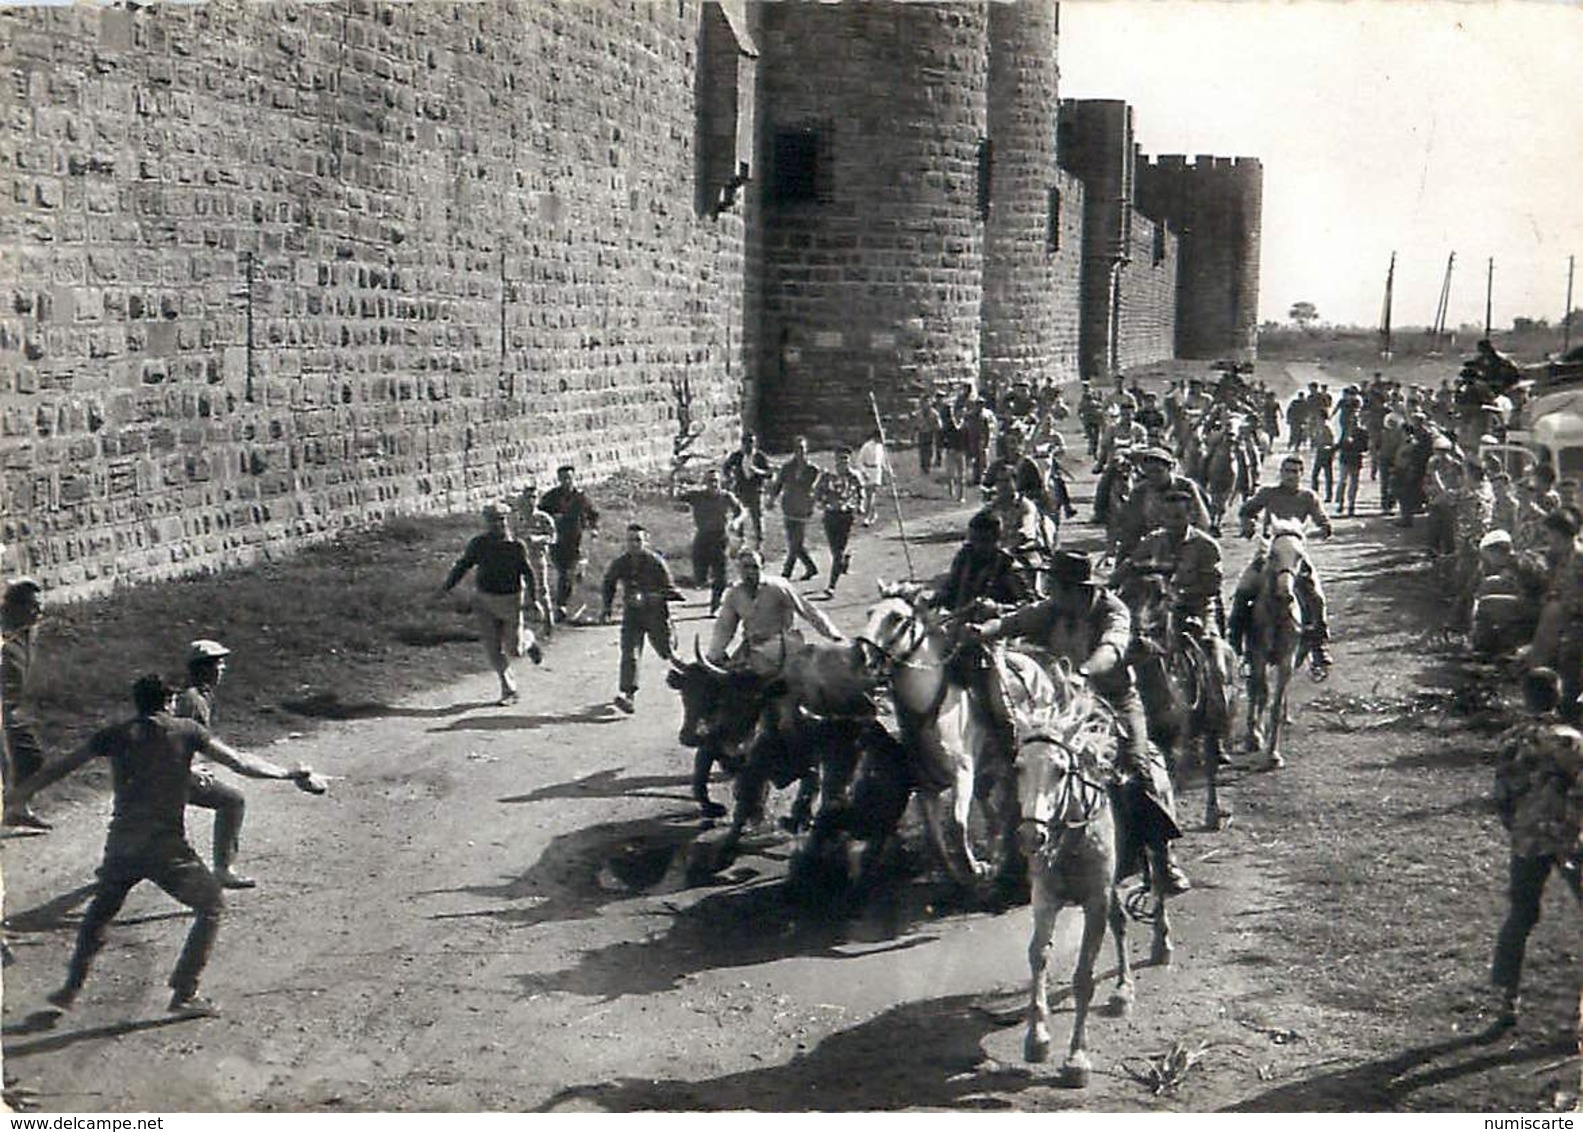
206,664
926,429
747,470
21,610
537,530
575,516
647,592
503,575
1324,438
1351,452
714,510
1296,416
840,493
794,485
953,453
873,468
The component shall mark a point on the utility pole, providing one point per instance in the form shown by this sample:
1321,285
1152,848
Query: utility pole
1385,315
1566,319
1489,290
1439,328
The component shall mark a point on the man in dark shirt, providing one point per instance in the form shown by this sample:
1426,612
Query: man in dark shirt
746,471
504,577
794,487
713,511
206,666
574,514
645,612
151,767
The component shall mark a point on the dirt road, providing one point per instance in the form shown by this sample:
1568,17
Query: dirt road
486,913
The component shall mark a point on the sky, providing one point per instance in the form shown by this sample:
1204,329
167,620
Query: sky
1412,126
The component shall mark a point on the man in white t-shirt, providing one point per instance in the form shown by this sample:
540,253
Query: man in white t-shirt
872,467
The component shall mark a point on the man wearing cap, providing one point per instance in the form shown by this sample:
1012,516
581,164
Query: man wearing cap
1144,510
504,575
150,759
575,515
840,494
1089,626
764,609
21,610
1504,602
1288,499
206,666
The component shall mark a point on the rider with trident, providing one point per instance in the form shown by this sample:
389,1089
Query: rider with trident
1288,499
1088,625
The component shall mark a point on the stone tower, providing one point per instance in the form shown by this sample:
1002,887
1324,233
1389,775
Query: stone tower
1029,328
1215,205
873,200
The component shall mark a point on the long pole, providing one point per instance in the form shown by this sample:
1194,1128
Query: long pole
895,496
1385,316
1439,328
1489,290
1566,319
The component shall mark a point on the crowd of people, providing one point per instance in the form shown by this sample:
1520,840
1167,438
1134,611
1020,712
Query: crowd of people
1508,541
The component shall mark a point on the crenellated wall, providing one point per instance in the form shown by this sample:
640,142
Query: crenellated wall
464,236
1216,205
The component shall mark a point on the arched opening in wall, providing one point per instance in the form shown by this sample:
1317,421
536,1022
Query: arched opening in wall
722,107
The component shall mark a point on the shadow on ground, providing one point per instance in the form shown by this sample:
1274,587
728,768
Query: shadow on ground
921,1055
1390,1083
329,705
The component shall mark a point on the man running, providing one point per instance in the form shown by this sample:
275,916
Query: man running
841,494
150,760
575,516
714,511
503,576
647,591
764,609
794,485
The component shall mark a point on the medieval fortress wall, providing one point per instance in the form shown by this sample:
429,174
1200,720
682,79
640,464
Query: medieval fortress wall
269,271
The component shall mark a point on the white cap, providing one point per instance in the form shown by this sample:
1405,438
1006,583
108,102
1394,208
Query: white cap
206,650
1495,538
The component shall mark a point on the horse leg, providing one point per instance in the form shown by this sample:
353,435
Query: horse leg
1161,950
1258,691
1277,716
1010,866
801,816
961,809
1075,1071
1122,998
1036,1043
1214,816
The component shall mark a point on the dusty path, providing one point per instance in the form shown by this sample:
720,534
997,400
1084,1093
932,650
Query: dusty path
486,914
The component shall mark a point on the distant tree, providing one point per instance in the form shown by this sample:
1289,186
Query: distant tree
1305,314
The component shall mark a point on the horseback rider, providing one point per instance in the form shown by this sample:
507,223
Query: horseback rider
1144,510
1190,558
1021,469
984,581
1088,625
1022,531
1288,499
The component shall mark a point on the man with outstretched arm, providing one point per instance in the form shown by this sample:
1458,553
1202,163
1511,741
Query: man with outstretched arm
150,760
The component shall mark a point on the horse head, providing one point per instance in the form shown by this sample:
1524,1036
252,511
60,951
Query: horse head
1062,761
895,627
1285,548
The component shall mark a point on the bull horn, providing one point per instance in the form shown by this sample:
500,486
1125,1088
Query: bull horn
708,666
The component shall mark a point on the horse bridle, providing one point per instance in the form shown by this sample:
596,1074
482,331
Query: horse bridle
1073,782
904,660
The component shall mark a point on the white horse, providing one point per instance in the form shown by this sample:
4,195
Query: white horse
950,743
1068,831
1274,648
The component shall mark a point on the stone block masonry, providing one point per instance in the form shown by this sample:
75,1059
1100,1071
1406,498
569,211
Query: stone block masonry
269,271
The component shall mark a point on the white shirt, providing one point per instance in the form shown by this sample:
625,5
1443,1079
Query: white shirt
872,462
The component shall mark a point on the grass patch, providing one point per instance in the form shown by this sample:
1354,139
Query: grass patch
337,631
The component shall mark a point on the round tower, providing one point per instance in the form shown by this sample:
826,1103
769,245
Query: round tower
1027,332
875,179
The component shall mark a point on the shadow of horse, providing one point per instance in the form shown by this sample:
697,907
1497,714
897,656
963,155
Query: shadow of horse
329,705
920,1055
